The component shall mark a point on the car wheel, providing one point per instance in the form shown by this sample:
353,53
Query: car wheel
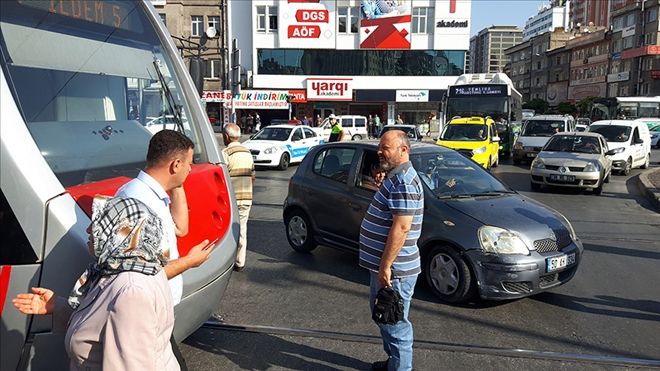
357,137
535,186
626,167
448,275
598,190
497,161
284,161
647,162
299,232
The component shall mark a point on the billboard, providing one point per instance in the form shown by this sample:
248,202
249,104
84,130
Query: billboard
452,25
385,24
306,24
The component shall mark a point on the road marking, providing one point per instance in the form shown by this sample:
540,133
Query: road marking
442,346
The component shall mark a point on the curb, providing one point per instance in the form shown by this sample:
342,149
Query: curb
648,189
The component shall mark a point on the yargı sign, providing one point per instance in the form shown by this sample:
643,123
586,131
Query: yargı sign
452,24
330,89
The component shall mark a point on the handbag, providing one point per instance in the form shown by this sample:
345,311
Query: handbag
388,306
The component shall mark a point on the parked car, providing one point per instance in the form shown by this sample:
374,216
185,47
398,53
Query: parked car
655,136
412,131
475,138
355,127
577,160
630,140
280,145
478,237
585,121
535,134
581,128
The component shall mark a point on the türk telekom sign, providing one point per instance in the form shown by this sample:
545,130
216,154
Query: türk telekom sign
308,24
330,89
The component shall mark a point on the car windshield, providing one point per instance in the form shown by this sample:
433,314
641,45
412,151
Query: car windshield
612,133
271,133
460,132
451,175
542,128
573,144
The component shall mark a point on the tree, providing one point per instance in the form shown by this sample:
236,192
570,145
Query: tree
584,106
566,108
538,105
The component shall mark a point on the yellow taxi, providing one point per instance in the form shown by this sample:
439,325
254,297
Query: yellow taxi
474,137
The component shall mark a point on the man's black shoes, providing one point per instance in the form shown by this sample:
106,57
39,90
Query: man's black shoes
238,269
379,366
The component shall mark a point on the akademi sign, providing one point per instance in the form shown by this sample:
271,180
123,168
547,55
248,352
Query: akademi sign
330,89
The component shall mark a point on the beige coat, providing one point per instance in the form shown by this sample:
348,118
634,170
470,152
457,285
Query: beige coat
124,323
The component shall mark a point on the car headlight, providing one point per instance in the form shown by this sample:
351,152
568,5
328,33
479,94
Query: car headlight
619,150
501,241
538,163
591,167
270,150
518,145
568,225
479,150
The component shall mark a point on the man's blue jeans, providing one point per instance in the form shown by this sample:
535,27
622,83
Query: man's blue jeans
397,338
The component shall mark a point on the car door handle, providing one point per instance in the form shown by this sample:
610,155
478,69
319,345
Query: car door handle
354,206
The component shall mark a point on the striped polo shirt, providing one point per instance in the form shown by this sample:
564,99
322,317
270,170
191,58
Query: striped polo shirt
241,171
400,194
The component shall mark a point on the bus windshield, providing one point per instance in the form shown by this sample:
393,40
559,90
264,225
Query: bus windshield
93,84
495,107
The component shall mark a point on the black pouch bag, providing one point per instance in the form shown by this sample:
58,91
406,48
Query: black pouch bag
388,306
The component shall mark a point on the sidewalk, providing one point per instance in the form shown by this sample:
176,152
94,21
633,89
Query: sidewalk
649,184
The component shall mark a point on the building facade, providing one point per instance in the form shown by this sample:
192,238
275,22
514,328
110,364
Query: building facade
591,12
546,20
187,21
521,61
590,53
487,48
337,57
558,61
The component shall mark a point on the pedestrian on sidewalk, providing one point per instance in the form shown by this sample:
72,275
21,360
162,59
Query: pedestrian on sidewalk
388,244
242,174
378,125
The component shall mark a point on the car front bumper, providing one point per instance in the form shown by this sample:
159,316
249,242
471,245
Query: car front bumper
502,277
269,160
579,180
526,153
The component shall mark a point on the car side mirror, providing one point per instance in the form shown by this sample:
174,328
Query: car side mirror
610,153
496,139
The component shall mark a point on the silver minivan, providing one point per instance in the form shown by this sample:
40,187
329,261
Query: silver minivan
536,132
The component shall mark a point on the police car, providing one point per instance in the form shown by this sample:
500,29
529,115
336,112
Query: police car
279,145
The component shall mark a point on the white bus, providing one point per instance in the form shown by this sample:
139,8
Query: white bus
79,80
625,108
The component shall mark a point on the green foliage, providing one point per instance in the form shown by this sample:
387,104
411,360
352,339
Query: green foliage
566,108
584,105
539,106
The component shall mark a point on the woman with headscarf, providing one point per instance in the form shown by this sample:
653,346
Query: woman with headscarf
120,314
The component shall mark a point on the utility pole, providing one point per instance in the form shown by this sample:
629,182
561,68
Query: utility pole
235,76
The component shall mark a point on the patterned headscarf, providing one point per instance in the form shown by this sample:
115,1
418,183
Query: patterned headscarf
126,236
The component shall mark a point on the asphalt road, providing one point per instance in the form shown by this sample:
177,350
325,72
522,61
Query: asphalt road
605,318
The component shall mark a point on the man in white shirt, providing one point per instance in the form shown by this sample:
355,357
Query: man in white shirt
169,161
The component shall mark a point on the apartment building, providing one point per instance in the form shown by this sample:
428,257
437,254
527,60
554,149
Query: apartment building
590,53
590,12
558,60
488,45
547,19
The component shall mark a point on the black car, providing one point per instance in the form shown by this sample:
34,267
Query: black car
478,236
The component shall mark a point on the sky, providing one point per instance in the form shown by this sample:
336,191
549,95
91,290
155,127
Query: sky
486,13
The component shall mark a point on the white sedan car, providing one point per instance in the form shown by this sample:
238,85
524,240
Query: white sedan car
279,145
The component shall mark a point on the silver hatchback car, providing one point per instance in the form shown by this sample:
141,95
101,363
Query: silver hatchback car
578,160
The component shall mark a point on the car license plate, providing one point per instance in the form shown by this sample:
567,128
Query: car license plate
562,178
531,154
254,157
559,262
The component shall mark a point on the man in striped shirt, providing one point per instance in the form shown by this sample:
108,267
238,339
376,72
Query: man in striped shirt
388,243
241,171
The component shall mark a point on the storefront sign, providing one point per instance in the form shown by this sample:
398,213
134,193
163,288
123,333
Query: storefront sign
638,52
330,89
557,92
255,99
412,95
628,31
576,93
616,77
306,24
385,24
478,90
452,26
300,96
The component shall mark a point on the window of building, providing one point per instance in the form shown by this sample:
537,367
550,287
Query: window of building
652,15
163,17
644,89
214,21
628,42
196,25
347,19
261,19
422,20
617,45
617,23
538,65
272,18
266,19
213,70
650,38
630,20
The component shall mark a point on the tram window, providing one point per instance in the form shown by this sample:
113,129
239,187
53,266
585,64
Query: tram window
14,245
